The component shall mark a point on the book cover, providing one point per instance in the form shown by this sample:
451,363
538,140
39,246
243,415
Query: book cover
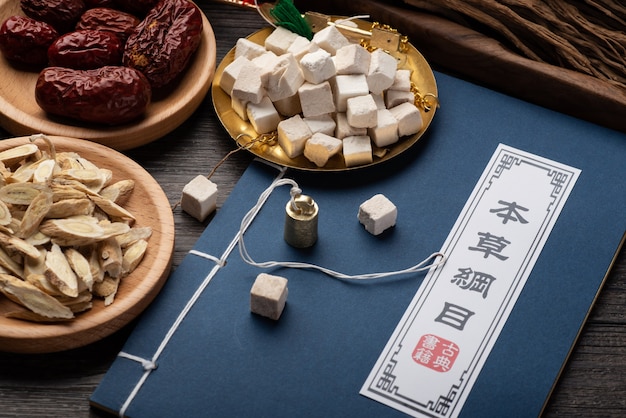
199,351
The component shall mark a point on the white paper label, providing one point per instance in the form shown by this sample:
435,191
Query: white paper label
437,351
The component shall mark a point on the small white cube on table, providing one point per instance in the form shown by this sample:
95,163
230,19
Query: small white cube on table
263,116
293,134
357,150
377,214
199,198
268,296
321,147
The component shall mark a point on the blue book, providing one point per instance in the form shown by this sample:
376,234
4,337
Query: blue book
199,351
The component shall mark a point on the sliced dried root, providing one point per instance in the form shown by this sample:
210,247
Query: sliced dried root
80,266
15,244
64,236
59,272
111,257
16,154
45,170
107,289
70,207
5,214
133,255
35,213
119,191
34,317
21,193
112,209
32,298
74,230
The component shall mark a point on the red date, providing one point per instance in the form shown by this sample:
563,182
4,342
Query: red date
110,95
86,49
25,41
163,43
90,4
61,14
136,7
103,18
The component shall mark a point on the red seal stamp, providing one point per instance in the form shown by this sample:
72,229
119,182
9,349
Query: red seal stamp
435,353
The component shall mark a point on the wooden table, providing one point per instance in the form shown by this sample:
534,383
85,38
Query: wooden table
59,384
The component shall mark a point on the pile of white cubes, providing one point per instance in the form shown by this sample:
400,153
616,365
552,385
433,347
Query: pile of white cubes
325,97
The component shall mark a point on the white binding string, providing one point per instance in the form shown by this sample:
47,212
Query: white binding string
295,191
219,261
147,364
350,19
151,365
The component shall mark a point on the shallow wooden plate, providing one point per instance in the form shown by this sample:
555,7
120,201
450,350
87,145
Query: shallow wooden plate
20,114
151,207
421,76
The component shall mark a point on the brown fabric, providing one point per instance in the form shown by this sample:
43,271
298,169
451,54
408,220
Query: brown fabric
582,35
456,44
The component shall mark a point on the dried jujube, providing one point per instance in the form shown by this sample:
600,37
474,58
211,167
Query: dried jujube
136,7
25,41
90,4
104,18
61,14
163,43
86,49
110,95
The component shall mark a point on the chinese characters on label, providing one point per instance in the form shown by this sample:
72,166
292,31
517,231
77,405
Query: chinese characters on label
437,351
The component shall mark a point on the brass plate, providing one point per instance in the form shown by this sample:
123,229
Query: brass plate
422,77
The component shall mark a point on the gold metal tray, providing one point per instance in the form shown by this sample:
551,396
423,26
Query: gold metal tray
408,57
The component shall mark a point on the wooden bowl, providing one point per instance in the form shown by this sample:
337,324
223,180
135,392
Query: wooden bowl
149,204
21,115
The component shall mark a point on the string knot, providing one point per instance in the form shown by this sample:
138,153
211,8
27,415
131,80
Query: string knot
149,365
295,192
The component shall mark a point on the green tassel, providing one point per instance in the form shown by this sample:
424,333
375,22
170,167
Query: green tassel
287,15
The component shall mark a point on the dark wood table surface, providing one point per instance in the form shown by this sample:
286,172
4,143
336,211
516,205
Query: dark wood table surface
59,384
